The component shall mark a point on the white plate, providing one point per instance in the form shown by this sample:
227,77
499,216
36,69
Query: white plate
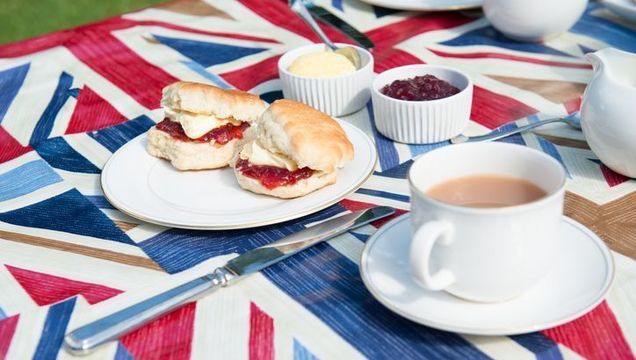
577,283
150,189
623,8
426,5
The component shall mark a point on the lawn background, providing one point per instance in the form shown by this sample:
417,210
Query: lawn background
21,19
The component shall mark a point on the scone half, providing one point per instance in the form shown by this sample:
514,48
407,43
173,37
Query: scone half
295,151
203,125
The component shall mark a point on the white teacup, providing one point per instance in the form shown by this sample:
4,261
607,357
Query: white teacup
484,254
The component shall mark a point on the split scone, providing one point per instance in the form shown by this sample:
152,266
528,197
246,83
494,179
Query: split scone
203,125
293,151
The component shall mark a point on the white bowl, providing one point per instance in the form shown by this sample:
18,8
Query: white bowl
422,122
337,95
534,20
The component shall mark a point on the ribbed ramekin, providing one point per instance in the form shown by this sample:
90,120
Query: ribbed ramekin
422,122
336,96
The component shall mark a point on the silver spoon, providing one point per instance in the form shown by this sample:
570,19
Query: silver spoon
496,135
349,52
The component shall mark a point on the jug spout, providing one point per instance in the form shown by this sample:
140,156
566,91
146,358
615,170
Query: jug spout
617,65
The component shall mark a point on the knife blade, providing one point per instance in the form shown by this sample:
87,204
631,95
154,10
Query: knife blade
331,19
84,339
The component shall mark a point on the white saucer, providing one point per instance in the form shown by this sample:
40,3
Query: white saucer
150,189
577,283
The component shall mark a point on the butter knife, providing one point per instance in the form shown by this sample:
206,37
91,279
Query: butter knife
331,19
84,339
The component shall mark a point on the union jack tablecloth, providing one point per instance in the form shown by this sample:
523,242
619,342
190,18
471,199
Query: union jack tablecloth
68,100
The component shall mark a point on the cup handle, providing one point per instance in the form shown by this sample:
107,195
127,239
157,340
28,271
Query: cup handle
426,236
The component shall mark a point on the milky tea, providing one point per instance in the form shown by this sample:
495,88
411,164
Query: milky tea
486,191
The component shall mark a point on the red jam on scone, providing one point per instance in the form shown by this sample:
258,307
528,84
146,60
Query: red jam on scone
272,176
221,135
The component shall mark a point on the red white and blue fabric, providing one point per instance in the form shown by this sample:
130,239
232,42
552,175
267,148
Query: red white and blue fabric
70,99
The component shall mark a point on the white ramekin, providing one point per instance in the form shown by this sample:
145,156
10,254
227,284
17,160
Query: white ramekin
422,122
336,96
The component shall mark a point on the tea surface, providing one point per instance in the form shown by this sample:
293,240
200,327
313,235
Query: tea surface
486,191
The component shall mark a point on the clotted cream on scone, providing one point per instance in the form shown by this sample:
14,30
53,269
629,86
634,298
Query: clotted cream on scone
294,150
203,124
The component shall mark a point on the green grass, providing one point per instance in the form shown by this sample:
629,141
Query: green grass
21,19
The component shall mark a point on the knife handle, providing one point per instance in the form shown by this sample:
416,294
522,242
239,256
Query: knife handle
329,18
110,327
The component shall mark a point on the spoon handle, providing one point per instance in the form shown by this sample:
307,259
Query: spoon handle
299,8
496,135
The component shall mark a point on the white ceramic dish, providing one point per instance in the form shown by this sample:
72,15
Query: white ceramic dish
422,122
426,5
622,8
581,277
150,189
535,20
337,95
